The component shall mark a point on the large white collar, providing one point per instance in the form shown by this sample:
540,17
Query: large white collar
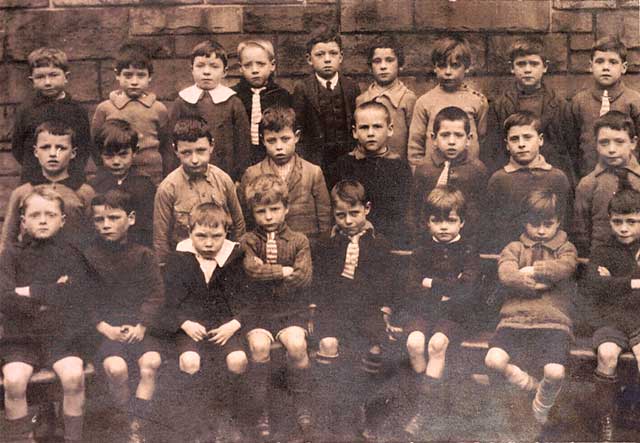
221,257
219,94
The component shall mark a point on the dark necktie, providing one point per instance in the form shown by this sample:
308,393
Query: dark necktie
623,178
329,88
537,253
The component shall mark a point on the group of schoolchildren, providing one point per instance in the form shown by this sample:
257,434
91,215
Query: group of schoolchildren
246,216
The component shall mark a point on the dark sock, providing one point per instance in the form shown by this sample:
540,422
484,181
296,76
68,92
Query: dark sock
606,390
19,427
258,380
73,428
140,408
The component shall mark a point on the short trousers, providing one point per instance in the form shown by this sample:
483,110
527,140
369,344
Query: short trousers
533,346
184,343
445,326
351,326
40,353
278,322
623,337
128,351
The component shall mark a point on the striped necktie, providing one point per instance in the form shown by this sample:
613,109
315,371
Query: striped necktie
256,115
353,254
443,179
272,248
606,104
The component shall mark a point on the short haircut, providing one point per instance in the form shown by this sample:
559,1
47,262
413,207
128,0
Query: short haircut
626,201
265,45
444,199
44,191
610,43
116,135
522,118
372,104
384,42
266,189
208,48
133,55
527,46
190,130
350,191
44,57
211,215
323,35
55,127
276,118
615,120
452,114
541,205
451,48
114,199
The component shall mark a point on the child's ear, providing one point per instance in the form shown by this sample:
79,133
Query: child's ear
433,135
296,136
625,65
64,219
131,218
634,143
308,57
390,129
367,208
541,138
74,152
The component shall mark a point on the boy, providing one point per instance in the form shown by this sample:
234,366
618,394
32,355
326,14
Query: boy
450,164
442,278
386,59
195,181
118,145
617,169
135,104
309,207
537,275
205,287
128,293
608,93
384,175
324,103
219,106
278,261
451,58
49,71
613,279
529,92
55,147
257,88
526,171
43,302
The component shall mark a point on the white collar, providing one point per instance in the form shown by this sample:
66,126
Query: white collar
333,80
221,257
218,94
457,239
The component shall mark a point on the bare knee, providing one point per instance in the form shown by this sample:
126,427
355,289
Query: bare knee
16,380
260,347
190,362
554,372
329,347
116,369
496,359
237,362
295,341
608,354
149,364
71,376
438,344
416,343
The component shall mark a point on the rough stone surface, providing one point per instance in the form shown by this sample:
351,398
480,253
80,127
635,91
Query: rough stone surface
24,3
83,81
376,15
581,41
7,184
288,18
63,3
7,117
185,20
8,164
622,23
629,4
584,4
569,21
633,61
291,55
555,49
15,83
580,61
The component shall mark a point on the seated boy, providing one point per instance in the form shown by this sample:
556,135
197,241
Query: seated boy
535,328
135,104
442,278
278,261
205,287
309,209
617,169
128,293
43,301
613,279
55,150
117,142
194,182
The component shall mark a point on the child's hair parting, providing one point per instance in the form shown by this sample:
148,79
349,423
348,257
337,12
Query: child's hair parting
191,129
266,189
452,114
276,118
46,192
626,201
211,215
527,46
133,55
116,135
265,45
372,104
444,199
55,127
114,199
44,57
386,42
451,48
610,43
616,120
349,191
541,205
208,48
323,34
522,118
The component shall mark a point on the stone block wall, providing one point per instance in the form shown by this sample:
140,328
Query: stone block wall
90,31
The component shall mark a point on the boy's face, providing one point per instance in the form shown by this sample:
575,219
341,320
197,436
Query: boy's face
49,81
528,70
270,217
194,156
256,66
118,163
451,139
542,230
625,227
42,218
445,229
112,224
372,130
280,145
133,81
208,72
325,58
384,66
614,146
451,74
54,152
351,219
607,67
208,241
523,143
